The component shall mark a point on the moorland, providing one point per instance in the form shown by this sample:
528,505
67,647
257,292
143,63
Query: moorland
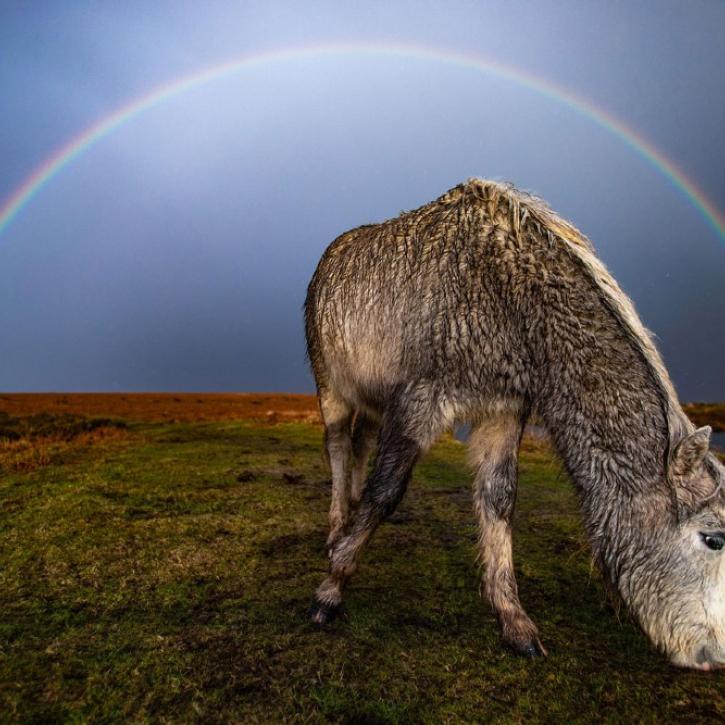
158,554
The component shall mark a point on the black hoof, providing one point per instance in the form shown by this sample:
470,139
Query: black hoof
531,649
323,613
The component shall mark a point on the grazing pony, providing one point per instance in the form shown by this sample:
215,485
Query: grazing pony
482,307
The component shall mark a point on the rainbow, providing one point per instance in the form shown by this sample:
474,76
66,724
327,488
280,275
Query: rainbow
64,155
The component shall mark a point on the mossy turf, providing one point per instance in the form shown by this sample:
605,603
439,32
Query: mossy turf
165,576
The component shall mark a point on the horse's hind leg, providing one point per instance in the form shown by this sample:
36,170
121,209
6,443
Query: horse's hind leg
407,431
494,446
364,437
337,417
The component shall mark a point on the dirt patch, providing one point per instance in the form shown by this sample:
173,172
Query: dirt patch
293,479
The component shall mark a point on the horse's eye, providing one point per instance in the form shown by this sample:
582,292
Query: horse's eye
714,541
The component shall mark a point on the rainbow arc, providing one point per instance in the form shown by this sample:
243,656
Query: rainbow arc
63,156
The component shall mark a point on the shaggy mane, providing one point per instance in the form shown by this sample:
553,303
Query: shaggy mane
529,212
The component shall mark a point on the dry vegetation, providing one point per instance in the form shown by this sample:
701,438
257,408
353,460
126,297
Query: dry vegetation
169,407
27,443
707,414
37,429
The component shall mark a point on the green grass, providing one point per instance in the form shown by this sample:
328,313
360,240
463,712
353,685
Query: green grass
165,575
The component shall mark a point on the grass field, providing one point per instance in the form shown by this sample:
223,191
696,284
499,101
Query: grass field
153,570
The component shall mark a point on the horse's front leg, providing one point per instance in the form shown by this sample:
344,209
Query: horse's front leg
494,447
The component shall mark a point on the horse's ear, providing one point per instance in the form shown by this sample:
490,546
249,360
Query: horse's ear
688,454
685,463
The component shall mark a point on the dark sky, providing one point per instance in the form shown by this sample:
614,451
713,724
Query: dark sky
174,253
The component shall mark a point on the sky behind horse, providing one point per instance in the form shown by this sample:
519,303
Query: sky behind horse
174,253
